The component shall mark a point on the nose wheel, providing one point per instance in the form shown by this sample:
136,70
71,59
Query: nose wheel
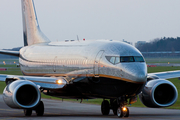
123,112
118,107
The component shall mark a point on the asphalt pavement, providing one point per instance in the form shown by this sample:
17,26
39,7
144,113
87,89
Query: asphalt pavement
55,109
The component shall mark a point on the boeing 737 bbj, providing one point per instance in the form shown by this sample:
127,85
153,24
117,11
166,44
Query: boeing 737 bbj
108,69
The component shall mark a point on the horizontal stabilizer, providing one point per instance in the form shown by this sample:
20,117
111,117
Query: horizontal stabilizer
12,53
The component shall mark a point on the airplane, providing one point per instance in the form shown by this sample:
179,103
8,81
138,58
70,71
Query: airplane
112,70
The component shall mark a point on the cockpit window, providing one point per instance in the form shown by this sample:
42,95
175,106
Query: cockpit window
127,59
112,60
116,59
139,58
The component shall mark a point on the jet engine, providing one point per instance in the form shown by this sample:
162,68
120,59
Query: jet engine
21,94
158,93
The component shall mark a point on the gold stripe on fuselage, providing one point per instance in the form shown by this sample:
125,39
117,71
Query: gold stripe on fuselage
82,75
119,78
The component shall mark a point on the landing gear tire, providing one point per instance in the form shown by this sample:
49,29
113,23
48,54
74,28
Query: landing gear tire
123,112
119,112
27,112
40,109
115,110
126,113
114,106
105,107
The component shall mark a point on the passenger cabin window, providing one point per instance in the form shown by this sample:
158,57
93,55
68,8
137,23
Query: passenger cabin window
115,59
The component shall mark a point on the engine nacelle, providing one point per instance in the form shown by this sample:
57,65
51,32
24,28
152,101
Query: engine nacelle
159,93
21,94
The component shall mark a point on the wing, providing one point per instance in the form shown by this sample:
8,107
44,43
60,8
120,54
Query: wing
2,77
166,75
41,82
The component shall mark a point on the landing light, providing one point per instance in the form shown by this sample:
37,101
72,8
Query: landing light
61,82
124,109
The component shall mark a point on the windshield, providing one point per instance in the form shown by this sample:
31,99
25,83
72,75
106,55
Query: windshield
117,59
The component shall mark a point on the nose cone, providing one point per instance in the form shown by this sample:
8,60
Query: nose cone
136,72
140,76
139,72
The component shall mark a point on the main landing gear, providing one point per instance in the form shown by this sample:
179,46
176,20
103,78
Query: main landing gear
118,107
39,110
105,107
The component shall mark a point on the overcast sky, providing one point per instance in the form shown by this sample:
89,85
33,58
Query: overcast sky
131,20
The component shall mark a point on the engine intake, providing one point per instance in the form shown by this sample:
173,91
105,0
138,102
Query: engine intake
159,93
21,94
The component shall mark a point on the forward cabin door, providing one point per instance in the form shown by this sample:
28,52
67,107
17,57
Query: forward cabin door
97,63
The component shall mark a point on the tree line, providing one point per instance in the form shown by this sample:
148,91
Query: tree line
161,44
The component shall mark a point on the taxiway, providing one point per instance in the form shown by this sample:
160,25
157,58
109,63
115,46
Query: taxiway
55,109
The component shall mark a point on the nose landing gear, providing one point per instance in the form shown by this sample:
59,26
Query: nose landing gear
123,112
117,105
